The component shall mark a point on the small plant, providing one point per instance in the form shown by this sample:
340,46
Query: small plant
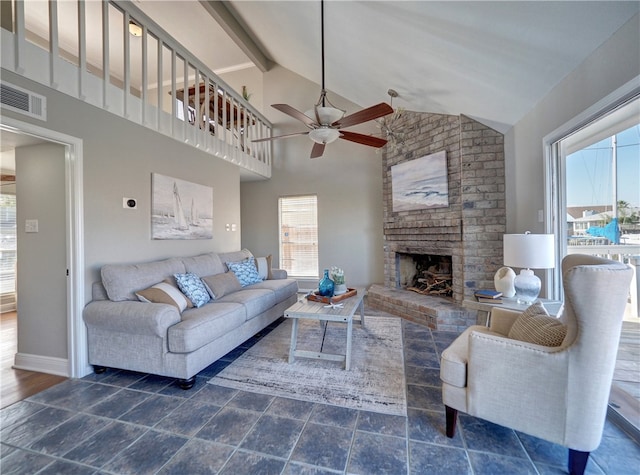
245,94
337,275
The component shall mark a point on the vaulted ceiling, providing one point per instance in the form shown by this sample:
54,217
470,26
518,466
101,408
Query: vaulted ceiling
493,61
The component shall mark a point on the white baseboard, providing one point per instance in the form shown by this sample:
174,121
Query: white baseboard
42,364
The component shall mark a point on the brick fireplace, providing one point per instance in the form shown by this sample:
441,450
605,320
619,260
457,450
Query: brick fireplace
468,233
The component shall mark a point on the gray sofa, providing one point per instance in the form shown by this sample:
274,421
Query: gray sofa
157,338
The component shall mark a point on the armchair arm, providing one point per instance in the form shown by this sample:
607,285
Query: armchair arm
137,318
502,319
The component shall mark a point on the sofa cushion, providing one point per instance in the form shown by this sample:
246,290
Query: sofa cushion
255,301
121,281
283,288
191,285
201,326
245,271
204,264
165,292
220,285
535,325
235,256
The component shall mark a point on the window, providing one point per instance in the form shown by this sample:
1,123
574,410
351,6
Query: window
299,235
8,244
595,199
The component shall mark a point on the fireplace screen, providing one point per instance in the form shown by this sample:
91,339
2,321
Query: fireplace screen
426,274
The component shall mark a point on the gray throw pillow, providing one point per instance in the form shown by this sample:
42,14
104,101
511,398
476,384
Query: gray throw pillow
220,285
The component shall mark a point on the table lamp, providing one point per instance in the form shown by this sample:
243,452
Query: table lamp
528,251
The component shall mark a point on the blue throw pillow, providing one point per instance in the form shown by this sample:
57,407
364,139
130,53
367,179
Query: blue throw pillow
191,285
245,271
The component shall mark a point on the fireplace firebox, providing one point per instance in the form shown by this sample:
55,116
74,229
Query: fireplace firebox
426,274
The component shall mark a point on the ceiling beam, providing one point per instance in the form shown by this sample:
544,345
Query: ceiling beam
221,11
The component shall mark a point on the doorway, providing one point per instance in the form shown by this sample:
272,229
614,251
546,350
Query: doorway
72,360
595,205
17,384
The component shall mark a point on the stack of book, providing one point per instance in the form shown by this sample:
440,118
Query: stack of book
488,296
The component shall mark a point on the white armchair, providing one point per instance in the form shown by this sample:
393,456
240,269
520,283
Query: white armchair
559,394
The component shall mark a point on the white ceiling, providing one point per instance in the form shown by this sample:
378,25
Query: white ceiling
493,61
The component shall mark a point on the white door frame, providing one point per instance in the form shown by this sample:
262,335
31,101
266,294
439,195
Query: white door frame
77,354
553,279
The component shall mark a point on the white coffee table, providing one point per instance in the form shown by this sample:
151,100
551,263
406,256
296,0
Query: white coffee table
324,313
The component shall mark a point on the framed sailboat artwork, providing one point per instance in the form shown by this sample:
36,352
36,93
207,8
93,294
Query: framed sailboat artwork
180,209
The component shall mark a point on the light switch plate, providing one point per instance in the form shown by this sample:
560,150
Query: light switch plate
31,226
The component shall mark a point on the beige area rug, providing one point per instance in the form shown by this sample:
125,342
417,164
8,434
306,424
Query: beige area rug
375,382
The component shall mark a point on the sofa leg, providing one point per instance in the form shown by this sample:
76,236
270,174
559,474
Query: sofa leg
451,418
187,383
577,462
99,369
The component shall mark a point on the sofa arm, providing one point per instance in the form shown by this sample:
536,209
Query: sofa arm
137,318
278,274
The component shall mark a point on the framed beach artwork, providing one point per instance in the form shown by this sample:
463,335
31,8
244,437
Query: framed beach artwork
180,209
421,183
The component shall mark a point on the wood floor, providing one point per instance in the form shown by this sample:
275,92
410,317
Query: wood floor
625,390
17,384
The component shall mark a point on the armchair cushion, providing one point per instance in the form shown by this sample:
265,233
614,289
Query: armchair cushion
535,325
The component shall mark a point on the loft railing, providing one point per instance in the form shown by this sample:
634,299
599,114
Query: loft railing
142,79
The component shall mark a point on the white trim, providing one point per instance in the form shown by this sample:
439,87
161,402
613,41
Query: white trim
77,364
42,364
602,107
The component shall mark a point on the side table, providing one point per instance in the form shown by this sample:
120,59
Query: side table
483,309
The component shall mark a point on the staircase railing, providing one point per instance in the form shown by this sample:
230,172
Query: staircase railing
140,78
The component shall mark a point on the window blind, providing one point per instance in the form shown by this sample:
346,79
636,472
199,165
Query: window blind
299,235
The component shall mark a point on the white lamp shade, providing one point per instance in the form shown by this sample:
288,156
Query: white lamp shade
324,135
531,251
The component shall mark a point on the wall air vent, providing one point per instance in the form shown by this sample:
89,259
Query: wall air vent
23,101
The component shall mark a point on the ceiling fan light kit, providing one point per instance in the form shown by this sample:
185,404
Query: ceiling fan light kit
324,135
325,121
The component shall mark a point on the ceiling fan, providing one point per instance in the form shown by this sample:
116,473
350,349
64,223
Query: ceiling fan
326,122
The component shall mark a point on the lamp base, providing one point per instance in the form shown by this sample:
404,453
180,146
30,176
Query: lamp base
527,286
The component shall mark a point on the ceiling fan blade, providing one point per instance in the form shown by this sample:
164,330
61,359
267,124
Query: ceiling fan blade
365,115
369,140
296,114
280,137
317,150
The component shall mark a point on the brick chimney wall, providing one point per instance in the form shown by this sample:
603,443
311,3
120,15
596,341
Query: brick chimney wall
470,229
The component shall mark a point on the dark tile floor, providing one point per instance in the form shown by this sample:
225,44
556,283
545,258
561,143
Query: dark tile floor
121,422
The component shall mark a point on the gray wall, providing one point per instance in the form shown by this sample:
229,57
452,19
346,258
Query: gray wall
42,257
347,180
611,66
118,160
